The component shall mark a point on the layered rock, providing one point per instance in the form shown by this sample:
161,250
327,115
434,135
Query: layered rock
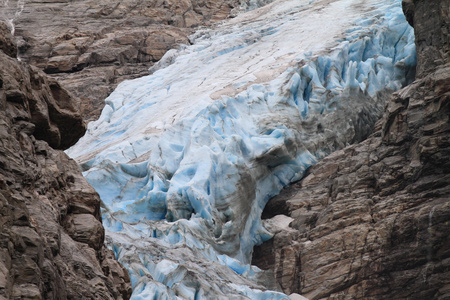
51,237
372,221
91,46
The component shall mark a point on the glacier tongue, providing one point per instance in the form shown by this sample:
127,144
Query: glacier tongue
185,159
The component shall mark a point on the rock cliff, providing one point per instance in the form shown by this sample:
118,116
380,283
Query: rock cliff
91,46
372,221
51,236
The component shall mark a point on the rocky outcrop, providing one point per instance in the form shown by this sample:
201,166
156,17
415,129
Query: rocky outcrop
431,22
51,237
372,221
91,46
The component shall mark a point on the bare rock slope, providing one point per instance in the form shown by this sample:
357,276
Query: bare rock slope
51,236
372,221
91,46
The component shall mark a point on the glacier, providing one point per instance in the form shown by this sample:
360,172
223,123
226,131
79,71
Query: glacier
185,159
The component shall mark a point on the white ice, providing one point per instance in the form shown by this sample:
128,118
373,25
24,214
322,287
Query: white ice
185,159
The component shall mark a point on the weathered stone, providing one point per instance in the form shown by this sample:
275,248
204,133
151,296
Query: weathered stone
44,198
372,221
7,42
85,228
432,27
91,46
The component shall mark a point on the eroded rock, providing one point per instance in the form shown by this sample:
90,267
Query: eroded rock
51,237
91,46
372,221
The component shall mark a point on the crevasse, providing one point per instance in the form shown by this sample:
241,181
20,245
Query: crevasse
185,159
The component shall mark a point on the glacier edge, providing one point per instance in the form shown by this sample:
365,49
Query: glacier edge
194,191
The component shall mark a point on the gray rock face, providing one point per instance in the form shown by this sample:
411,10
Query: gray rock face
51,237
91,46
371,221
431,23
7,43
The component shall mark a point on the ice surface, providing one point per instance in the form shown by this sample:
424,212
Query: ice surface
185,159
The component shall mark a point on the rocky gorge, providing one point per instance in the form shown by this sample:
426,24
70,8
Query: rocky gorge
370,221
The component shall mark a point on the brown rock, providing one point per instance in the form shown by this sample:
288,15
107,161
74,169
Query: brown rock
91,46
41,102
85,228
51,237
432,26
372,221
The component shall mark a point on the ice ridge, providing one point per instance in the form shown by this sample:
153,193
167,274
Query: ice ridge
183,201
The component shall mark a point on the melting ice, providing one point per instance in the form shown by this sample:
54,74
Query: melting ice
185,159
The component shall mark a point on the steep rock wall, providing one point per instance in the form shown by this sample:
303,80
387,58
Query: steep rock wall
51,236
372,221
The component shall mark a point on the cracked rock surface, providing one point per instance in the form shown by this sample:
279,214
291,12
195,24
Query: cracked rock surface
51,236
91,46
372,221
